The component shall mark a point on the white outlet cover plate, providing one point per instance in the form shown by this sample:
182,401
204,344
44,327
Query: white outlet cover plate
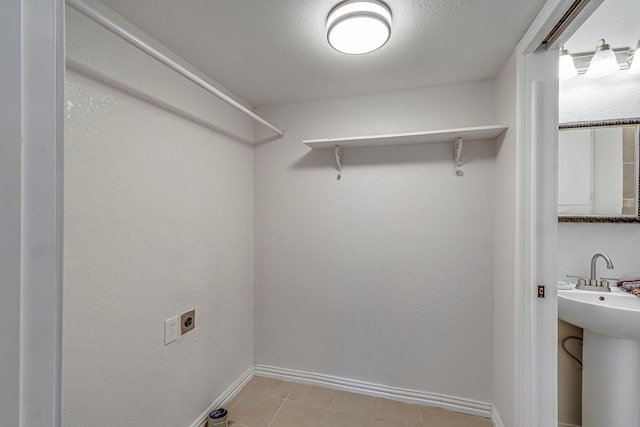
171,330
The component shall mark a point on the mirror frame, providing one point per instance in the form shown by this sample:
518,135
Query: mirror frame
604,218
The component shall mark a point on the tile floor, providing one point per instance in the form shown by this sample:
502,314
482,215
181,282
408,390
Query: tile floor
266,402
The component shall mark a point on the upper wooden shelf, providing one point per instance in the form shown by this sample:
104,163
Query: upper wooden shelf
477,133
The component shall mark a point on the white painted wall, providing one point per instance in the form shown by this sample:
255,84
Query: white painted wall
386,275
578,242
504,273
612,97
158,220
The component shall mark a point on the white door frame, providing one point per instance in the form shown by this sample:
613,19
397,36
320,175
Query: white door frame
536,388
536,216
536,157
31,107
10,116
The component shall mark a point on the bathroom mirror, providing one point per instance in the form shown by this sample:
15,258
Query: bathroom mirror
598,177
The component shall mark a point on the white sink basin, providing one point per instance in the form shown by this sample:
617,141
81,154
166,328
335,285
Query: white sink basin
615,313
610,354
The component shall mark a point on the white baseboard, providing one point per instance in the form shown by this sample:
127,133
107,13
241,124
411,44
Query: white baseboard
225,397
458,404
495,417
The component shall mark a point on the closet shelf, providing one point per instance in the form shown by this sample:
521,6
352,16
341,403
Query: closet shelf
476,133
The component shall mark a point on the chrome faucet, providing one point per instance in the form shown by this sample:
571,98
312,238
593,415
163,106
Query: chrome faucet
595,283
594,280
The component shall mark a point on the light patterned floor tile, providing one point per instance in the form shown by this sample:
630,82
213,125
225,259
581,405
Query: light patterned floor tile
352,403
341,419
319,396
267,402
383,423
397,412
432,417
296,414
255,410
238,397
270,387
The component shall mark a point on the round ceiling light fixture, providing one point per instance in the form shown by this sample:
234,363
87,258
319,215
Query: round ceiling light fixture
355,27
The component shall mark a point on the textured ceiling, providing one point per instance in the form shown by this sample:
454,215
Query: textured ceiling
275,51
617,21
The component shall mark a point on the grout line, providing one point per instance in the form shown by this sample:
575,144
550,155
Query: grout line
244,392
326,408
278,411
276,414
322,417
242,395
290,391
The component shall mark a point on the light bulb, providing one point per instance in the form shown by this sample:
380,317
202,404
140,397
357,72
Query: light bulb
357,27
566,65
603,63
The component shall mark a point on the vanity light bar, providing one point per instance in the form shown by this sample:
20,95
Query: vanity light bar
582,60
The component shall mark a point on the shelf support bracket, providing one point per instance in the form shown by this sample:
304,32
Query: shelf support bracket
457,148
338,153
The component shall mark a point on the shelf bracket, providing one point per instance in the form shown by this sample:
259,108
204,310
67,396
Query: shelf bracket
457,148
338,153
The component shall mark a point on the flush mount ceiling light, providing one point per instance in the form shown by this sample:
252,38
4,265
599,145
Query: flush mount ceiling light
359,26
603,63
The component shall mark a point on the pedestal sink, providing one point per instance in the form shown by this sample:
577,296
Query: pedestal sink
610,356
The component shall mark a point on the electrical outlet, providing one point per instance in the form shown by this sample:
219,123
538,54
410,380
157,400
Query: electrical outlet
171,330
187,321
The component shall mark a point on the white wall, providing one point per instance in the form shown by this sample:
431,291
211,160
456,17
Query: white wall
612,97
504,273
158,220
386,275
578,242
